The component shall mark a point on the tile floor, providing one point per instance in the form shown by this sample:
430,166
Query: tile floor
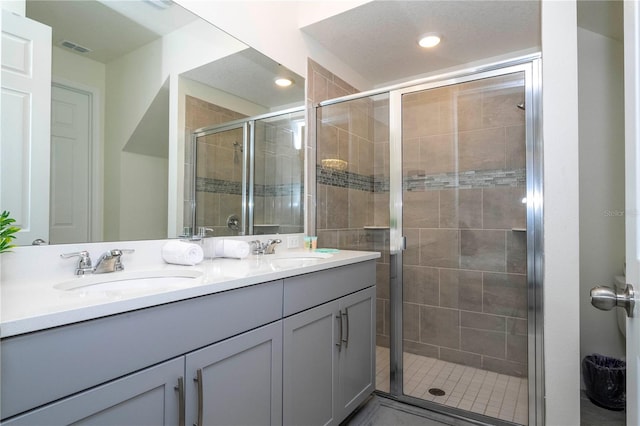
467,388
381,411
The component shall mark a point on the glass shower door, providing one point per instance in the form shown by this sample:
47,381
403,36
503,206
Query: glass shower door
220,183
464,283
443,179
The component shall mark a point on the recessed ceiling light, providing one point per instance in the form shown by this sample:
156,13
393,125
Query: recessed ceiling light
429,40
284,81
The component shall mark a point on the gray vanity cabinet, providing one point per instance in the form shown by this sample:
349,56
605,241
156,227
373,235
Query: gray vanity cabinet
356,358
293,351
310,357
148,397
329,355
67,366
237,381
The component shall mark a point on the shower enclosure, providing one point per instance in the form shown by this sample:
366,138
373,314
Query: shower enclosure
247,175
442,177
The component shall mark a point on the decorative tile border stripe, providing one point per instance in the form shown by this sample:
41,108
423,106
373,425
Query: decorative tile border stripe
377,183
466,180
463,180
278,190
219,186
344,179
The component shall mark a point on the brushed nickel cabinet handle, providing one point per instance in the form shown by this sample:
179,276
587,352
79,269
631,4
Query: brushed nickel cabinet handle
339,344
180,389
346,316
200,397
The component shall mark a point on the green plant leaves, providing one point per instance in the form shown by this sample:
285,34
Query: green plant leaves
7,231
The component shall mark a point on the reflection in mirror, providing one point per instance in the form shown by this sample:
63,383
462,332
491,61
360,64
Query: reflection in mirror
249,175
278,182
132,66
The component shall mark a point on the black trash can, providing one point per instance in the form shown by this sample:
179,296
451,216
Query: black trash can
605,379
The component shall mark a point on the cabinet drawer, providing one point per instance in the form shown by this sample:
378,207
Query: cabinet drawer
40,367
147,397
306,291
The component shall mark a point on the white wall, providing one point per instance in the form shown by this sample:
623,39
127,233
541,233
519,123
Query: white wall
602,239
561,213
73,67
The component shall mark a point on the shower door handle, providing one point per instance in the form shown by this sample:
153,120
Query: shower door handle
605,298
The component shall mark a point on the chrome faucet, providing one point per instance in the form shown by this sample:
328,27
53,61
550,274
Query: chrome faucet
258,247
270,247
110,261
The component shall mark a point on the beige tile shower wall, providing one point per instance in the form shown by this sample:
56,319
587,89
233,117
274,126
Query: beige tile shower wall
217,158
464,279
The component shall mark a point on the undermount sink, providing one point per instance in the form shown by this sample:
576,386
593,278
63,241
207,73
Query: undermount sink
131,281
297,259
303,255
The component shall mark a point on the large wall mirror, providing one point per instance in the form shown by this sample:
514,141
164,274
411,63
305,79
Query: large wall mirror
249,175
131,81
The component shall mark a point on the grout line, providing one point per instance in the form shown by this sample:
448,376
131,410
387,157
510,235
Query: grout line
468,388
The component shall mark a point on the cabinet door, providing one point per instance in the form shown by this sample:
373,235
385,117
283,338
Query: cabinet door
149,397
357,357
310,359
237,381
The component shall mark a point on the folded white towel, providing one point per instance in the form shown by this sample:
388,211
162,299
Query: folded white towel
182,253
232,248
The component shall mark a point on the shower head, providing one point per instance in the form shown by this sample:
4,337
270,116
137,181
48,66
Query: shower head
521,106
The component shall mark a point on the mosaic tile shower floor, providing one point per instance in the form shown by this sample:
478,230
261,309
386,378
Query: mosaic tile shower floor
468,388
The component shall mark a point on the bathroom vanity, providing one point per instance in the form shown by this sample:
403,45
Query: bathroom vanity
289,342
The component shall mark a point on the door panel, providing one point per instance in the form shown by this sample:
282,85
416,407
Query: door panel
308,391
357,358
70,214
632,198
241,382
26,114
464,279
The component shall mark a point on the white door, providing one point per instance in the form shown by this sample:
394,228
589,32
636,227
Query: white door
26,114
70,213
632,194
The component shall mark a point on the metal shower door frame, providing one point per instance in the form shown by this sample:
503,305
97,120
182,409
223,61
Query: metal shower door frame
530,66
248,126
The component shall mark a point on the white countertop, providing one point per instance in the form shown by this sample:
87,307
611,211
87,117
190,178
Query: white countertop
30,302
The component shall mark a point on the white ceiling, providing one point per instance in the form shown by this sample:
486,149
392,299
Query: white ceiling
110,29
379,39
250,75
